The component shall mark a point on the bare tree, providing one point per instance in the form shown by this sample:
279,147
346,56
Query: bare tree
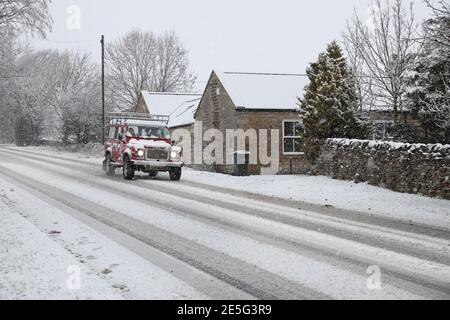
10,49
26,16
170,72
145,61
385,49
363,84
442,8
16,17
8,53
7,70
130,63
54,85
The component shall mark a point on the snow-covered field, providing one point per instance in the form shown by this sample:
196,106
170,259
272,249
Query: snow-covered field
211,236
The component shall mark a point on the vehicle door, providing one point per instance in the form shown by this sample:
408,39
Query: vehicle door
122,136
116,145
109,142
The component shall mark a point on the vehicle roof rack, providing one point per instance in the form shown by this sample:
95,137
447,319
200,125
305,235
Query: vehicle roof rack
122,117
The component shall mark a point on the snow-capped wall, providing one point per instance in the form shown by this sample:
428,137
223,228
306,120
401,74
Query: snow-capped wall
411,168
427,149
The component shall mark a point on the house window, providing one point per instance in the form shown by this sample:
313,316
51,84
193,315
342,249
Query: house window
292,137
383,130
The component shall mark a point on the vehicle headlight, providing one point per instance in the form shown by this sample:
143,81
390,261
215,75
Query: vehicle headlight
140,153
175,153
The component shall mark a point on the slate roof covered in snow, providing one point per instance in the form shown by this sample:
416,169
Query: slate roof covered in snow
264,91
180,107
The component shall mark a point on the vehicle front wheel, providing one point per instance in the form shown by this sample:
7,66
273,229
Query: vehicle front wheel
109,168
153,174
175,174
128,169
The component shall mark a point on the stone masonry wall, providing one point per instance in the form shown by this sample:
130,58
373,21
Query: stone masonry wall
273,120
409,168
216,111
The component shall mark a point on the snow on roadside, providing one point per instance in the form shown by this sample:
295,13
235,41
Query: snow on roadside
39,242
34,267
92,154
332,280
340,194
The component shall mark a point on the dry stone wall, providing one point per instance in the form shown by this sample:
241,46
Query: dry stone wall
410,168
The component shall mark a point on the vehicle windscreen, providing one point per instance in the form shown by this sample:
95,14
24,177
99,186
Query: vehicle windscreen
148,132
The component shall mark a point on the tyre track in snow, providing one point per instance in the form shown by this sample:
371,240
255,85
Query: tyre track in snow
239,274
372,219
251,279
257,282
346,229
59,164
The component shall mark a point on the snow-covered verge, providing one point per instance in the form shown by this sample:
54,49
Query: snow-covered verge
78,150
325,191
32,266
43,250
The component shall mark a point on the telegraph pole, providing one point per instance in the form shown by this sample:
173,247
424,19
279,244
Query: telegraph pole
102,41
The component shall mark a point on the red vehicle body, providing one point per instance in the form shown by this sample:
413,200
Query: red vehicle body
140,142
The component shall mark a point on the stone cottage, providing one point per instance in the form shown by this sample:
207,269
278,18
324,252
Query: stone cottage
245,101
233,101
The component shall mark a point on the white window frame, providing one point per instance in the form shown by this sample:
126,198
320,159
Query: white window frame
291,137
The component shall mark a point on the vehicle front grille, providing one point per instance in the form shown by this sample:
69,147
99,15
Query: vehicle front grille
157,154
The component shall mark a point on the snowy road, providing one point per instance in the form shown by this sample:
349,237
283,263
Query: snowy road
155,239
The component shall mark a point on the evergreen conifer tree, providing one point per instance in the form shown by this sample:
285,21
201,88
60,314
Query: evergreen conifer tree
329,108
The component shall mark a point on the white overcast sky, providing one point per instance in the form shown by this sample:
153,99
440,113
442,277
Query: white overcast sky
230,35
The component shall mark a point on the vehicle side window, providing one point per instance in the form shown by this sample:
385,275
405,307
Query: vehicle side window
133,131
112,132
121,133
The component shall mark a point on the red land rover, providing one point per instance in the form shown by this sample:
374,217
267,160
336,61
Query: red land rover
141,142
